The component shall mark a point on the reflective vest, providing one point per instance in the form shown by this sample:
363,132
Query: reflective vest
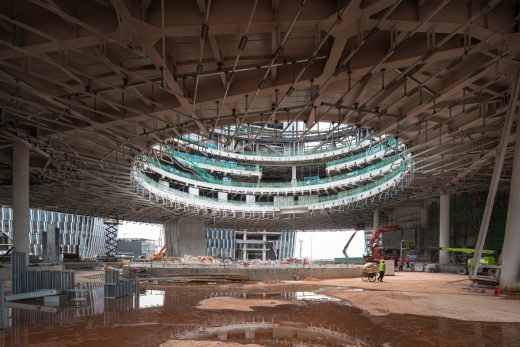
382,267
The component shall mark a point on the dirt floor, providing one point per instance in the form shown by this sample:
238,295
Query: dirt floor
425,294
409,309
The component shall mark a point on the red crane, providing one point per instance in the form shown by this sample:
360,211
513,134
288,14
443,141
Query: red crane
378,252
160,255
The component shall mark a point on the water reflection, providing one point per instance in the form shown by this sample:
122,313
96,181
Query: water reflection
86,300
305,296
151,298
157,316
311,296
271,333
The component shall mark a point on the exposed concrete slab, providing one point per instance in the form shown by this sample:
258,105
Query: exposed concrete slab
258,273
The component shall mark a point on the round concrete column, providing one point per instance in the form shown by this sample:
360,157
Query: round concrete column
21,226
510,272
444,228
375,221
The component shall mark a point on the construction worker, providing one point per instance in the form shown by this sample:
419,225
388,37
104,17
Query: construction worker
381,270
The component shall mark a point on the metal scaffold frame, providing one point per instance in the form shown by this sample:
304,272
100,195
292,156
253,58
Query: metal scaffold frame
111,228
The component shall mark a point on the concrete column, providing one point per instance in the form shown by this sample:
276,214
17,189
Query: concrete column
244,245
510,272
444,228
21,226
264,247
293,179
375,223
185,236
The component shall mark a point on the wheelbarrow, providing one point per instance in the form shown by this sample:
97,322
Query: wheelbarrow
369,272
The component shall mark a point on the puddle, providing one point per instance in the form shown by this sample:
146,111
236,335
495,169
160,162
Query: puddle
171,317
151,298
303,296
311,296
265,334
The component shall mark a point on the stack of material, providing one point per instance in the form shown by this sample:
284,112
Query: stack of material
25,281
116,287
189,259
370,267
296,261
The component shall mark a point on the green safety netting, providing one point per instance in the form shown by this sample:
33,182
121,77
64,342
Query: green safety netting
211,161
336,178
333,197
200,171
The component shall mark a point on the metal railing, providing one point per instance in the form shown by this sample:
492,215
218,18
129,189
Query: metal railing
314,182
350,146
199,159
381,147
403,167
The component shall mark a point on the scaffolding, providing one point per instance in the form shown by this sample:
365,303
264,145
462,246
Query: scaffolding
111,228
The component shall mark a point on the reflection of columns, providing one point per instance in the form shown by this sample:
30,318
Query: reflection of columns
250,334
244,247
444,228
375,223
21,227
510,272
264,249
293,179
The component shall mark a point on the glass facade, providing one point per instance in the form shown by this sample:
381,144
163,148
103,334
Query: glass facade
136,247
75,230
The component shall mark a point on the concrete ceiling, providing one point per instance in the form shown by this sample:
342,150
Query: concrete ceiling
90,84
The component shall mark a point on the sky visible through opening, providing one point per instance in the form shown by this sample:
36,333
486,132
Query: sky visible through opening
314,244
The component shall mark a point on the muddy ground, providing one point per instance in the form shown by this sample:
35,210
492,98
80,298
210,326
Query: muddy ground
410,309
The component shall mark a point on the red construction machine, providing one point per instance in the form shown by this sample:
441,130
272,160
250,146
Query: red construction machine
378,251
160,255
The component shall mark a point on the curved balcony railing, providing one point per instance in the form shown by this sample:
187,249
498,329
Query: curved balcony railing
345,179
212,164
376,152
329,201
266,157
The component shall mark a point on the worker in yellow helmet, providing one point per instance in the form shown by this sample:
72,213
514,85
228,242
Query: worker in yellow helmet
381,270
